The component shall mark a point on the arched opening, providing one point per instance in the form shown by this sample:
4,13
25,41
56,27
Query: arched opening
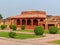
23,22
28,22
49,25
18,21
35,22
41,19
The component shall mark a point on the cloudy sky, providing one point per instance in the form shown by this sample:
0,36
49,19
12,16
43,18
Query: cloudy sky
14,7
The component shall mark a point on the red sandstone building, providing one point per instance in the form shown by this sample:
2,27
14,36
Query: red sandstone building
31,19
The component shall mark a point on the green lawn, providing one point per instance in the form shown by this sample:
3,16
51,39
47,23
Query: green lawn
4,34
55,42
25,30
45,31
20,36
26,36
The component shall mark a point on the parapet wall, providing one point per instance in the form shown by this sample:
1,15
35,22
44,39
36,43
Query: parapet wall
33,12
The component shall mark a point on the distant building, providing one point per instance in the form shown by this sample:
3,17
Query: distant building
31,19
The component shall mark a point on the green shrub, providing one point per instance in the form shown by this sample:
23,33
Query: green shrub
39,30
22,27
53,30
12,34
13,26
3,26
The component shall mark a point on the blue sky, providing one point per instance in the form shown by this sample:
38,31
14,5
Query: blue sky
14,7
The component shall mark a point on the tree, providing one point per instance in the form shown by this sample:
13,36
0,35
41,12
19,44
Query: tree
1,16
13,26
12,34
3,26
39,30
53,30
22,27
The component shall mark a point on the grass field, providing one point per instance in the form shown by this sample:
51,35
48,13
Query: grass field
25,30
24,36
45,31
55,42
20,36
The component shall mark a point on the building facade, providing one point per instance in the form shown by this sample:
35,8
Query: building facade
31,19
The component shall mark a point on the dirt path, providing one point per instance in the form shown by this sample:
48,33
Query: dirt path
44,40
34,41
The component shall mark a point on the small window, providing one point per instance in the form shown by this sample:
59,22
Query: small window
41,19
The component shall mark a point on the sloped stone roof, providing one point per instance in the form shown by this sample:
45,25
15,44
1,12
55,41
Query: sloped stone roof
31,14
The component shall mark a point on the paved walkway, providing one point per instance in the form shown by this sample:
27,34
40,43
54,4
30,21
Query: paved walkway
34,41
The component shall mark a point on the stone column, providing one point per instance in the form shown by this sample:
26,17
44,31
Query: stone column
46,26
12,21
38,22
31,22
20,21
15,21
26,22
58,25
32,26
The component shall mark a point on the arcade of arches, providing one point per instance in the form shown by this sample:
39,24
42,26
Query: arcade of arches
30,23
27,22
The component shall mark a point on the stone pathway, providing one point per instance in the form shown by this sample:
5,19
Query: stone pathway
34,41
